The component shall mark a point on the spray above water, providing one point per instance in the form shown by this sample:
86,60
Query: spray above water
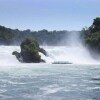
73,51
73,39
6,57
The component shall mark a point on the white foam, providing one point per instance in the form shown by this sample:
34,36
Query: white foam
51,89
75,55
73,52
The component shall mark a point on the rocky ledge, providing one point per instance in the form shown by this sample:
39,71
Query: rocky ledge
30,52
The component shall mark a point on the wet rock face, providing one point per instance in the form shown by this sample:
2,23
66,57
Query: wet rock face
43,51
18,56
30,51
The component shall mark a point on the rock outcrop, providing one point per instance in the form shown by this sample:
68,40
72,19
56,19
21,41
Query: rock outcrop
30,52
18,56
43,51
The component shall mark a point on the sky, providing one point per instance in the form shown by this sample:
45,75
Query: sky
48,14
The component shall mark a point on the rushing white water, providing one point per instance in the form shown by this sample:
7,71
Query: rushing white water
50,82
21,81
73,52
75,55
6,57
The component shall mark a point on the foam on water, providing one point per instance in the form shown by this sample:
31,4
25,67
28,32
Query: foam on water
6,57
53,82
73,52
76,55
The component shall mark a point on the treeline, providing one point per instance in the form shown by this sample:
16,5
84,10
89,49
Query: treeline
92,35
15,37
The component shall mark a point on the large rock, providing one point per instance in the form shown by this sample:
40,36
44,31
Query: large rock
30,51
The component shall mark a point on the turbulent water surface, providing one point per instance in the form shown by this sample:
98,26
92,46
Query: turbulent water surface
49,81
78,81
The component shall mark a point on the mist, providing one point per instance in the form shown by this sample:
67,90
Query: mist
72,50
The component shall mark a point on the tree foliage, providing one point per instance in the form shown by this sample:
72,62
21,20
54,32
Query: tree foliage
30,50
92,35
15,37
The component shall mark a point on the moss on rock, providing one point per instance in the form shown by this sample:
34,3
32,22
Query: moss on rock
30,51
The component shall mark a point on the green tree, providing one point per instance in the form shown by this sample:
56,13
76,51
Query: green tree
30,50
96,25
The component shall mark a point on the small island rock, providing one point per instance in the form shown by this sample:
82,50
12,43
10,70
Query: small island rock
30,52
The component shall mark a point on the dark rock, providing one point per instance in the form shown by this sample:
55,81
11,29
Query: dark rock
30,51
18,56
43,61
43,51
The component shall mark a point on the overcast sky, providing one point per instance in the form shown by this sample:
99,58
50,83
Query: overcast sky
48,14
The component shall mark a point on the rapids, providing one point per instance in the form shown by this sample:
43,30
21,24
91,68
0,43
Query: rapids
74,51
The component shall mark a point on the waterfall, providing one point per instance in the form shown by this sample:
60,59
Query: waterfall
73,51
